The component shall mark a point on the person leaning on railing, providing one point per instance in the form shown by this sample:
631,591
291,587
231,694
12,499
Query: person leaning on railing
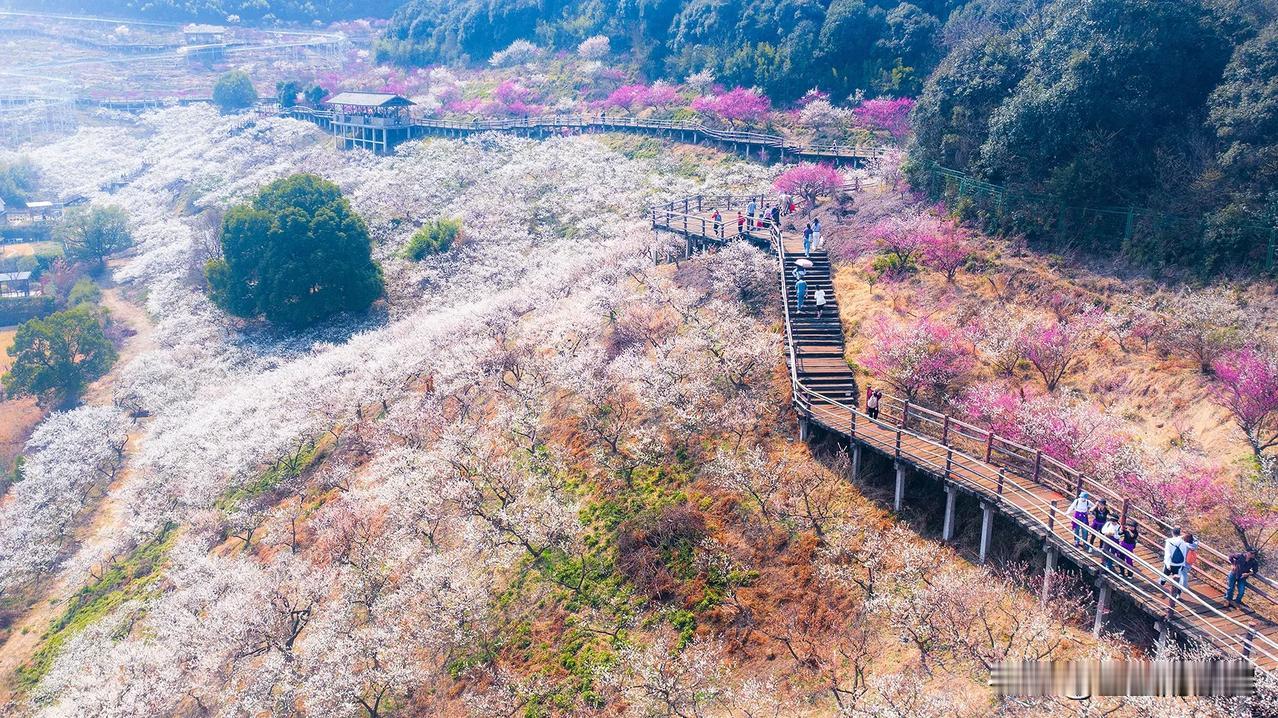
1242,566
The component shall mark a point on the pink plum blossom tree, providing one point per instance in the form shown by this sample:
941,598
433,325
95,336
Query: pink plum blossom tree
809,181
1056,347
887,114
916,356
1247,385
945,250
736,105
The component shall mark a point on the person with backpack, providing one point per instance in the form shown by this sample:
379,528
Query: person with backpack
1191,559
816,234
1128,535
776,215
1173,562
1080,509
1100,514
718,224
800,293
818,298
872,402
807,240
740,223
1241,567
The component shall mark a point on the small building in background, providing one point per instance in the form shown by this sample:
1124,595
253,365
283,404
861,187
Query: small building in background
376,121
43,211
195,34
15,284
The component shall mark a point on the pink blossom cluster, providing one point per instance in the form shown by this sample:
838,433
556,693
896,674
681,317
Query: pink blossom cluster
916,356
736,105
887,114
1247,385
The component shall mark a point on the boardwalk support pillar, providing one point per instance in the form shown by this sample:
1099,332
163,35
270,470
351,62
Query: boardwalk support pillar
1102,607
804,430
856,462
900,487
987,528
947,532
1052,555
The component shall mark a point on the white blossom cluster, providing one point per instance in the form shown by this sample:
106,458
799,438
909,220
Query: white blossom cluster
551,284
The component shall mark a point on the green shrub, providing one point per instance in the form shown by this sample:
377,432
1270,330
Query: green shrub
891,266
436,237
84,292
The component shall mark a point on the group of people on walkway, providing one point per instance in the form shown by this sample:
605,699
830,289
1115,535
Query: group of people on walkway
819,298
1096,525
755,216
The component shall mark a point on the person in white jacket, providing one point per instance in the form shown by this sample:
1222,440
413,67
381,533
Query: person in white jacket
1174,552
1081,509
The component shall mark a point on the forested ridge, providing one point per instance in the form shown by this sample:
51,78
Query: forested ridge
292,11
784,47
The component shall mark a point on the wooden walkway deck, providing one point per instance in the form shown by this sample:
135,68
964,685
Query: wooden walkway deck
777,146
1017,481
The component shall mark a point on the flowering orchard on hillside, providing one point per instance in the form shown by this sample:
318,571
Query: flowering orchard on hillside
889,115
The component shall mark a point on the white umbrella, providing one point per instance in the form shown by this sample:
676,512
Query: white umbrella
805,263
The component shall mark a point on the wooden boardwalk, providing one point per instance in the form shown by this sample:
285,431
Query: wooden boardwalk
774,146
1019,482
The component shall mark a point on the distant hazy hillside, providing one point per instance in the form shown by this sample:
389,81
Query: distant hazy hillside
303,11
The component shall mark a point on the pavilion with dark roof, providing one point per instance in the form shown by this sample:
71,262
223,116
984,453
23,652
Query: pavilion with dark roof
373,120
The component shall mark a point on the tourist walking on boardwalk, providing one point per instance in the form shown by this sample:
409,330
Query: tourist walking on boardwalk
807,239
1109,540
816,234
750,208
1173,561
1100,514
1191,558
872,403
818,298
1241,567
800,293
718,224
776,215
1127,538
1080,509
740,223
789,203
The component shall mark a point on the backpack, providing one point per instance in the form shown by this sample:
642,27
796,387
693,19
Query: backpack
1178,554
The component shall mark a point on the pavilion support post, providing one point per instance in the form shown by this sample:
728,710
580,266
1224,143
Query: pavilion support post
1052,556
947,532
987,529
1102,607
900,487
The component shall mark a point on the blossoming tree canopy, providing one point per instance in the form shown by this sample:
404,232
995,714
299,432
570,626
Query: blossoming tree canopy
737,105
809,181
295,255
887,114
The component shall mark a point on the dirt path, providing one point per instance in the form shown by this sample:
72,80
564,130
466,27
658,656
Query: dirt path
25,637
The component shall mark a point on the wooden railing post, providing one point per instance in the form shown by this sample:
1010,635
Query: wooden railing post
945,431
898,443
989,445
949,461
1038,464
1122,518
1247,640
1051,517
1001,474
905,413
852,412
